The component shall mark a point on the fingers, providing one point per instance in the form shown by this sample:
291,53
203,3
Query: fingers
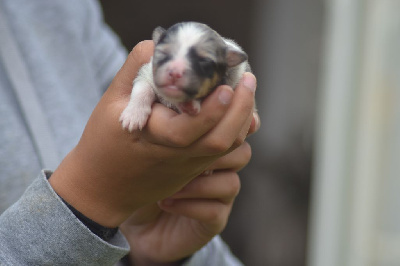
207,199
255,123
223,186
181,130
211,213
235,160
232,130
139,55
222,125
143,215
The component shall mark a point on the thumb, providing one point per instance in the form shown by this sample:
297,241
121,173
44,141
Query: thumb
140,55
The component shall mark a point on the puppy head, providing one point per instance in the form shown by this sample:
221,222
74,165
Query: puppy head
190,60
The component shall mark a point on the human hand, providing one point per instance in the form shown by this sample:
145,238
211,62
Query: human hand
164,233
173,229
111,173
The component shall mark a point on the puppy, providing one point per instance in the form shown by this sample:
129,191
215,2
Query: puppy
190,60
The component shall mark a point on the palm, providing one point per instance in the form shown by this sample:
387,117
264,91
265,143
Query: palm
169,232
164,236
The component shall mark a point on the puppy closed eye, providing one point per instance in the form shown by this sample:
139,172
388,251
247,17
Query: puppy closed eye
206,65
162,57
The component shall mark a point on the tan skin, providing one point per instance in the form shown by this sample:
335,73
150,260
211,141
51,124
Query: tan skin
118,178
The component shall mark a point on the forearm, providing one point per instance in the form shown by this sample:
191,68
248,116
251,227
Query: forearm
40,228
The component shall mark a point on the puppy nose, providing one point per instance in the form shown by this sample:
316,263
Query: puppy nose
176,69
175,74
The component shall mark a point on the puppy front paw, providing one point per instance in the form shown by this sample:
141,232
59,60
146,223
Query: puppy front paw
133,118
190,107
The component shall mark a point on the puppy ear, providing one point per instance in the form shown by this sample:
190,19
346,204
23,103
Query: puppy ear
234,56
157,33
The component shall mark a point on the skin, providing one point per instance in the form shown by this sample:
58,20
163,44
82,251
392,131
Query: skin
163,233
149,176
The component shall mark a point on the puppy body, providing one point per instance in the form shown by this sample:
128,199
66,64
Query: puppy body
190,60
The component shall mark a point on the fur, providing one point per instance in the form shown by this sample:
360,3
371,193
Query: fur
190,60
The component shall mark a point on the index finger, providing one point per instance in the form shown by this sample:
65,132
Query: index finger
168,128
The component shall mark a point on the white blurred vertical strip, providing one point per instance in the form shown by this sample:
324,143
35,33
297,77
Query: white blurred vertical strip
333,154
374,238
355,217
370,143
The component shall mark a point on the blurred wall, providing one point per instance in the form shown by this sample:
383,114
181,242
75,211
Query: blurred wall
355,217
268,225
272,209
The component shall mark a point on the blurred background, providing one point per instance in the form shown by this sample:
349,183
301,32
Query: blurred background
322,188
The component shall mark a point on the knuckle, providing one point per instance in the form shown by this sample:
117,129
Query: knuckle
246,151
216,216
218,145
212,229
234,186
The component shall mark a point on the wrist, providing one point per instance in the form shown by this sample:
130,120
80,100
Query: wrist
80,189
103,232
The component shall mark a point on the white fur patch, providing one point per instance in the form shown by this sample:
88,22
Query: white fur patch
187,36
136,114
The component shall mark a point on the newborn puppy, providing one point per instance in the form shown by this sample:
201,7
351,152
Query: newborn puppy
190,60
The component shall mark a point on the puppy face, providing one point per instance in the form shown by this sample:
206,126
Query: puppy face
190,60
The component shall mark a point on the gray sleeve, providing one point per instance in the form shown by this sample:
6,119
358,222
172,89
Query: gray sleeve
40,230
216,252
103,46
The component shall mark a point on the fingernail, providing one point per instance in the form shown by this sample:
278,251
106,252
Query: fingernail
249,81
256,121
207,172
225,96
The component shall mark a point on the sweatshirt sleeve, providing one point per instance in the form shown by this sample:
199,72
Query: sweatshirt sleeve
39,229
103,45
216,252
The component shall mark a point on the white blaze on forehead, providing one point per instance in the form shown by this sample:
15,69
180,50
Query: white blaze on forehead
188,36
